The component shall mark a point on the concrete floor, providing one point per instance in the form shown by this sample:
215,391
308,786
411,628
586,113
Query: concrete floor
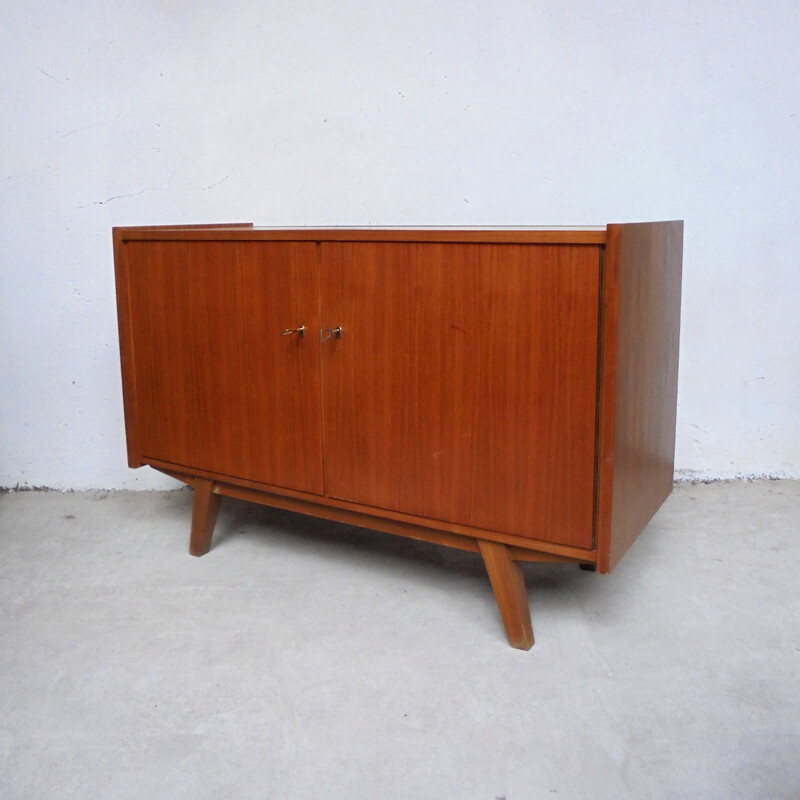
300,659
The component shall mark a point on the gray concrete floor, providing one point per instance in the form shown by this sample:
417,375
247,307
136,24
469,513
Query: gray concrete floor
300,659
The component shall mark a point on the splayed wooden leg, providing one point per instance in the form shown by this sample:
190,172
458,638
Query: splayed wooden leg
508,586
204,516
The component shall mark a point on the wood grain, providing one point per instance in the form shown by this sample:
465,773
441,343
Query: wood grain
216,386
125,318
464,386
639,380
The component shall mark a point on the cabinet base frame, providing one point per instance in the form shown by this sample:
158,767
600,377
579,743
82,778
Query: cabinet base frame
505,575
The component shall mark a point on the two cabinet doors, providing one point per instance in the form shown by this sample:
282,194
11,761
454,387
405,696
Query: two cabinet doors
463,387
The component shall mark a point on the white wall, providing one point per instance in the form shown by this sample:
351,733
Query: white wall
412,113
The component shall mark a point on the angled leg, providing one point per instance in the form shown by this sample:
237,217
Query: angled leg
508,586
204,516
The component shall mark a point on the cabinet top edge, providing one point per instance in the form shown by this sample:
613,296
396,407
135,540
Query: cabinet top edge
595,235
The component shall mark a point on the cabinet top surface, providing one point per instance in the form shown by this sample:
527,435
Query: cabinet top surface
246,232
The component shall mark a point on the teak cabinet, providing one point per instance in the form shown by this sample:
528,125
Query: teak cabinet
506,391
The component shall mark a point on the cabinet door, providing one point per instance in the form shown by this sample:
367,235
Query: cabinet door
218,388
464,385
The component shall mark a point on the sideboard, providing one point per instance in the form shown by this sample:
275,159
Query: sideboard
508,391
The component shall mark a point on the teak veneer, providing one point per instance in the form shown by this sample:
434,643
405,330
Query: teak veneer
507,391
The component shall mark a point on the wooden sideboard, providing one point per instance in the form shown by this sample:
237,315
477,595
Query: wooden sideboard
510,391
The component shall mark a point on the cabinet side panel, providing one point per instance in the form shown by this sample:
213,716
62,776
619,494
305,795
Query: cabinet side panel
639,380
121,269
